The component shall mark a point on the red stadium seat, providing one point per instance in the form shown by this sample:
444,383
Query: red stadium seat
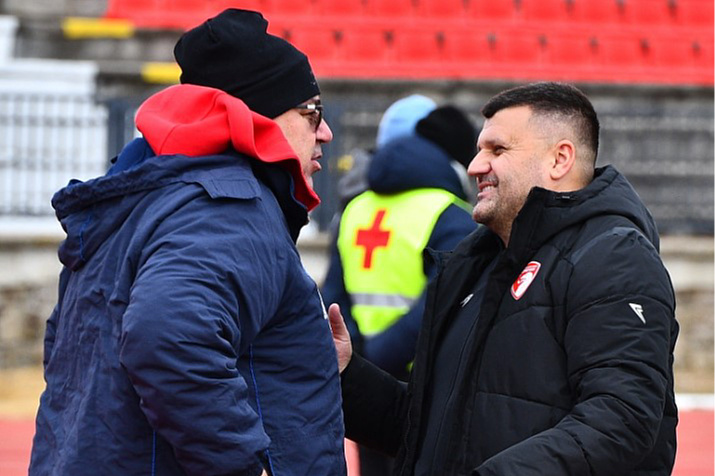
171,14
319,44
570,50
130,8
217,6
599,12
419,46
623,57
184,14
398,9
288,7
343,8
694,12
547,10
221,5
466,47
649,13
467,54
452,9
511,46
492,10
367,44
684,50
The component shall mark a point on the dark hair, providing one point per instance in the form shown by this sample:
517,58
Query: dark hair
556,100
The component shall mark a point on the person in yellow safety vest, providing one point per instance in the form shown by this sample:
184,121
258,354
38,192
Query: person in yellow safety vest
416,201
398,120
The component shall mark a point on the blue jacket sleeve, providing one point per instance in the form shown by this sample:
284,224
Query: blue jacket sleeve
202,292
394,348
375,406
51,326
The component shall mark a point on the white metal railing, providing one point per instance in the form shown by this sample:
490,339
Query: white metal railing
45,140
51,128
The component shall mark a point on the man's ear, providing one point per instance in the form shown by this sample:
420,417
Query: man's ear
563,161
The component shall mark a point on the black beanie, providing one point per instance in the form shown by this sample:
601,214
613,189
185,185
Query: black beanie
451,129
234,53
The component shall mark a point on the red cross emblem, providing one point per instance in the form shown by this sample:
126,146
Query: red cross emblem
372,237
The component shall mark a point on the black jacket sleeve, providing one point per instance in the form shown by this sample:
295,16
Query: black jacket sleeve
374,405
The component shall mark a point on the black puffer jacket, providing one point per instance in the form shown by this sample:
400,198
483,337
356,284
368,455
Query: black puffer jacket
573,378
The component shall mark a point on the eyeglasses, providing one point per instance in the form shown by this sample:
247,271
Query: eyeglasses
315,115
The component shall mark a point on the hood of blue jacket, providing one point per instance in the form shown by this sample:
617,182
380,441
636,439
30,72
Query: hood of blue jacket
91,211
412,162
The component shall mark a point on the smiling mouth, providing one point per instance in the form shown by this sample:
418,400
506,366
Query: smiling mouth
487,184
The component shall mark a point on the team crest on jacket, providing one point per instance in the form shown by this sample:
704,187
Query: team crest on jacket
525,279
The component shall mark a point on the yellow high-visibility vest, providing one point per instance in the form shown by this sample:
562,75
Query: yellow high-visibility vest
381,240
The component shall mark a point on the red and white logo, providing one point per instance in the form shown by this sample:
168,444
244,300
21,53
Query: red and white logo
525,279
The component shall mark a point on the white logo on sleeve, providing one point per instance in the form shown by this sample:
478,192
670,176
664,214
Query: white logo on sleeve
638,309
467,299
525,279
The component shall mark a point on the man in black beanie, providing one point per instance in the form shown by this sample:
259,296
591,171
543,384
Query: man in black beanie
187,338
234,53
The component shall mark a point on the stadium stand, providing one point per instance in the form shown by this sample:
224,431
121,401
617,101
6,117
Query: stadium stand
605,41
648,65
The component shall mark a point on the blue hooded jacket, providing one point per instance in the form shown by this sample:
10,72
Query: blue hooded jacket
187,338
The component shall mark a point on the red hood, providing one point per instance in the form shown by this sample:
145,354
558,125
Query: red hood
195,120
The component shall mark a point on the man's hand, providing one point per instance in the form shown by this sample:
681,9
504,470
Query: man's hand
341,337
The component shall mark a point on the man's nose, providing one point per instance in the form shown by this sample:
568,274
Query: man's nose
479,164
324,134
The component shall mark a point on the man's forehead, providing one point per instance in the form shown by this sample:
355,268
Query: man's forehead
508,120
508,129
512,115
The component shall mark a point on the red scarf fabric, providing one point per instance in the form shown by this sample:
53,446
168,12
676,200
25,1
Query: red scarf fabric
192,120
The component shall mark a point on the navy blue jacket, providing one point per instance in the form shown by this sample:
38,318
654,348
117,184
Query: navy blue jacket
404,164
188,338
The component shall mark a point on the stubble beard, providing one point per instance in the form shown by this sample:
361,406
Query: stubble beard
496,214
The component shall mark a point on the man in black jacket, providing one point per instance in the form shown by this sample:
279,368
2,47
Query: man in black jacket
547,342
